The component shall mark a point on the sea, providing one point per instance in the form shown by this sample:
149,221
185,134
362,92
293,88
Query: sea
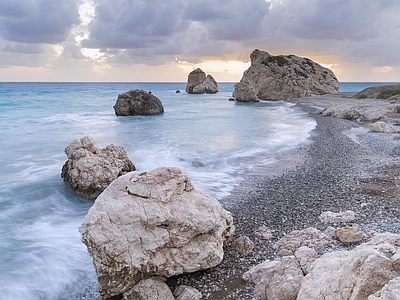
41,255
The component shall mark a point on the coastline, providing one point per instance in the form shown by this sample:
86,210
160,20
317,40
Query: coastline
333,172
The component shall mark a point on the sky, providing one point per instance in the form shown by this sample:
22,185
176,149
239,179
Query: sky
164,40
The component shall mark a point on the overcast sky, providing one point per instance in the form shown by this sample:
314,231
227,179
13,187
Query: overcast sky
163,40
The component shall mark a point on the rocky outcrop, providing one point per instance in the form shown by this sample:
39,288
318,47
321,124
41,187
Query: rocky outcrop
89,170
199,83
390,92
370,271
153,223
138,102
354,274
283,77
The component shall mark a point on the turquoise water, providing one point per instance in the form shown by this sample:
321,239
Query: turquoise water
41,255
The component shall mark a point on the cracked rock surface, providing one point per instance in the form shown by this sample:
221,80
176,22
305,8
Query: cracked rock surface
89,169
153,223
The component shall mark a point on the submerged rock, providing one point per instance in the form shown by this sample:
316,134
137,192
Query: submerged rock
138,102
153,223
199,83
283,77
89,170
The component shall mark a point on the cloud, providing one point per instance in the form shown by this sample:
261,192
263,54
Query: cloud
141,32
42,21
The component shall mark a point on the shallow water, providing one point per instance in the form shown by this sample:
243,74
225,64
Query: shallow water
41,255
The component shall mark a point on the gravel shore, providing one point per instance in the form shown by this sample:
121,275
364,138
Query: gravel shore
359,171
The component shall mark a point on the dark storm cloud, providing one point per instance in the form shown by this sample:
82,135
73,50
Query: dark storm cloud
22,48
18,9
127,24
135,24
43,21
155,31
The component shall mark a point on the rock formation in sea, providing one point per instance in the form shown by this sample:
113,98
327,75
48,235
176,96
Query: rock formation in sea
138,102
199,83
89,170
153,223
283,77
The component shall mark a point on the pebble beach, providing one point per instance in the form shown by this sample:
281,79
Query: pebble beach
342,167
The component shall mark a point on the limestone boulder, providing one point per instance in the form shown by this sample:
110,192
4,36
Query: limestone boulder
354,274
382,127
150,289
89,169
390,291
138,102
342,111
243,244
283,77
349,235
200,83
153,223
184,292
310,237
279,279
332,217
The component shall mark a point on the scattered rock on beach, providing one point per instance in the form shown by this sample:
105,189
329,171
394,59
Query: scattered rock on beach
381,126
243,244
89,170
310,237
200,83
184,292
279,279
342,111
138,102
153,223
150,289
283,77
331,217
349,235
263,233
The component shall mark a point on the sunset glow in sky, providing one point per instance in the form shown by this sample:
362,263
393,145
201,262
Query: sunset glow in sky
163,40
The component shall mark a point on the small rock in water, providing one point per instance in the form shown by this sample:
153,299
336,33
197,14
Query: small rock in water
198,163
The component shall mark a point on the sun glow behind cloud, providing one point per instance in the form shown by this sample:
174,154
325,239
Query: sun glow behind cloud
89,38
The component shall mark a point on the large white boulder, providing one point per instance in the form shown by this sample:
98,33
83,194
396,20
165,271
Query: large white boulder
89,170
279,279
354,274
281,77
153,223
